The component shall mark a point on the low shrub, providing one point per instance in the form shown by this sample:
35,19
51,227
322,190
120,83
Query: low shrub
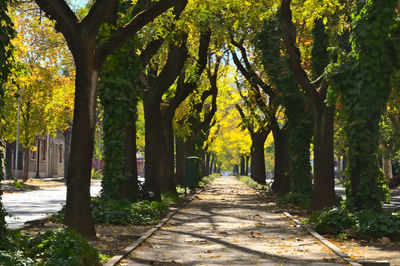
58,247
97,175
125,212
297,199
251,183
366,224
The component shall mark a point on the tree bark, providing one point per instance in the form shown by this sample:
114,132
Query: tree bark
247,165
281,183
168,181
25,176
129,189
258,156
242,165
153,149
78,209
206,171
324,182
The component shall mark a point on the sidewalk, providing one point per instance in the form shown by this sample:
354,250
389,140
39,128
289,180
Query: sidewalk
228,224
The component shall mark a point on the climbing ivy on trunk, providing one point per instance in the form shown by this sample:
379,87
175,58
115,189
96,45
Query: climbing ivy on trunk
362,78
297,109
119,95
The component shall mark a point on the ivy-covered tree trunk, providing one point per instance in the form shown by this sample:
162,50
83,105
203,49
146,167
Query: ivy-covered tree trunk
119,95
364,82
257,154
281,183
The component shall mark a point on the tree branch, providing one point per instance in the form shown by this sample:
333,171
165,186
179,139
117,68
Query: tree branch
66,21
294,61
139,21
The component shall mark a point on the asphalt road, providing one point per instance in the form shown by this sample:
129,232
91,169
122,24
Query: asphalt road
31,205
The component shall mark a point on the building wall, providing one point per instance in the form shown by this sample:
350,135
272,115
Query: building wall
48,158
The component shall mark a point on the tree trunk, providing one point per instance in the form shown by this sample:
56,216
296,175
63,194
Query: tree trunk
25,176
387,168
324,183
206,171
167,166
339,167
247,165
38,151
386,162
242,165
281,183
129,189
78,209
258,156
212,165
153,149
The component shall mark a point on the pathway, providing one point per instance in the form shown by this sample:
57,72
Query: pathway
31,205
229,224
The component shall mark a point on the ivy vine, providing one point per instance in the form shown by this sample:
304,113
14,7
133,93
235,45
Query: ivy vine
362,79
297,110
119,96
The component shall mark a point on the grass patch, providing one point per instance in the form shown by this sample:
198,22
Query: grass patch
251,183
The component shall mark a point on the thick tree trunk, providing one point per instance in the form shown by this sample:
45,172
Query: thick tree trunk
324,183
339,167
247,165
78,209
153,149
129,189
206,171
258,157
167,166
281,183
387,168
212,165
243,165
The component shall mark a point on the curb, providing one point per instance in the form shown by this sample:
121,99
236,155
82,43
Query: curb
323,240
320,238
125,252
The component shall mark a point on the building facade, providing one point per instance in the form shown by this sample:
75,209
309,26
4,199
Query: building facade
46,161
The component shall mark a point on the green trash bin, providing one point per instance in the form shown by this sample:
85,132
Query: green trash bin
192,171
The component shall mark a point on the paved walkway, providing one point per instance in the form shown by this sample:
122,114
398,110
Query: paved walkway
228,224
31,205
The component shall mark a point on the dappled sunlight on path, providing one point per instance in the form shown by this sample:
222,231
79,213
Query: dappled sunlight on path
229,224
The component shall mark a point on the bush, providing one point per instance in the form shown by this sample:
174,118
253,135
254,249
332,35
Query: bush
297,199
366,224
63,247
125,212
98,175
58,247
251,183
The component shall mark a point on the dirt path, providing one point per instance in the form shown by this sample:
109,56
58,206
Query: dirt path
229,224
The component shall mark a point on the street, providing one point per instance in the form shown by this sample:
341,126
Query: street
31,205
